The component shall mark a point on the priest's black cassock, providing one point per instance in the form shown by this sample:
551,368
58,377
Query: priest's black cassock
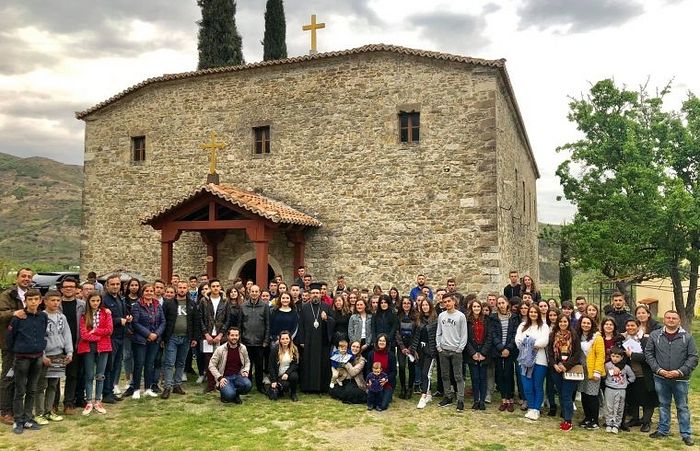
316,334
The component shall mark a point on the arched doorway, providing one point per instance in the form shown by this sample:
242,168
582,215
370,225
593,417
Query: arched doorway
247,272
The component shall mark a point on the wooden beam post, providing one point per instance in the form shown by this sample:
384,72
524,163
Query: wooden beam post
299,240
212,240
261,261
166,260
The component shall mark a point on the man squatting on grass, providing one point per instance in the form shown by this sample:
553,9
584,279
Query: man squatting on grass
192,312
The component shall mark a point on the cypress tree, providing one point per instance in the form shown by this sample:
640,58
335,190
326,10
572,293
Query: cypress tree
275,41
219,42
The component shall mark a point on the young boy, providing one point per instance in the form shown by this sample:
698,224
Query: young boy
619,375
374,387
26,336
338,360
451,338
58,354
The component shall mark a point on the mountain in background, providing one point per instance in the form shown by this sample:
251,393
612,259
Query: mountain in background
40,210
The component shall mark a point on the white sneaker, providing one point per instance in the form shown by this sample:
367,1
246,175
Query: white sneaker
117,391
608,429
184,377
428,398
487,398
535,414
613,430
136,395
200,379
422,402
529,414
150,393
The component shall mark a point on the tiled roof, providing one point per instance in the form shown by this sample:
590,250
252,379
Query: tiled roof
275,211
500,63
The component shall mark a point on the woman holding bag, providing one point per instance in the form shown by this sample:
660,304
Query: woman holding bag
563,353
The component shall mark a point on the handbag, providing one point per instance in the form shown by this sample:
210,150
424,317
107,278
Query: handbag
575,373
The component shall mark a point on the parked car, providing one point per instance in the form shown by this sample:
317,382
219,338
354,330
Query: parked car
124,275
45,281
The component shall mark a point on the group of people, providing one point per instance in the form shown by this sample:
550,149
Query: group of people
350,343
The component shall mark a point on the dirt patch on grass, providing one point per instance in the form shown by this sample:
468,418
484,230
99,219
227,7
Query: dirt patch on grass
365,437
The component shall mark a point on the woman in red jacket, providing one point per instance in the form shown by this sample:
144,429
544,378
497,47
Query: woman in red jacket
95,344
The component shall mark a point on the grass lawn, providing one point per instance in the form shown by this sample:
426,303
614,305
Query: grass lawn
197,421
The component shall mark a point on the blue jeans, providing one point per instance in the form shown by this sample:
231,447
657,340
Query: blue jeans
113,371
128,358
478,375
551,389
144,359
374,399
534,387
678,389
387,395
237,385
566,391
91,360
175,355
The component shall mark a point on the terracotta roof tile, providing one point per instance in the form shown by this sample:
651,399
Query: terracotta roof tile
274,210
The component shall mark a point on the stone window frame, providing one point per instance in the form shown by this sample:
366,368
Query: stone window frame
133,137
409,108
254,127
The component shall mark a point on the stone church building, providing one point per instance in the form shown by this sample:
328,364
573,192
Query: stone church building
379,163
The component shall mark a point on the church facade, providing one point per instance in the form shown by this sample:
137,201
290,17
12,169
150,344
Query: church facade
411,161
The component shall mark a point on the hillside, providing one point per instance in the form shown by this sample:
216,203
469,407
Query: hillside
40,210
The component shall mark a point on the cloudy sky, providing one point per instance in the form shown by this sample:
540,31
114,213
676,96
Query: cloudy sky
65,56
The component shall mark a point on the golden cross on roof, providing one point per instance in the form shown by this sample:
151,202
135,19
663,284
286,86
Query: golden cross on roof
212,146
313,27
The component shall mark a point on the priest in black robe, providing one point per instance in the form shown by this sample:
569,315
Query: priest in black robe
316,326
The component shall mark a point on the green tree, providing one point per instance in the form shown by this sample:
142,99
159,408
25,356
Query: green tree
634,179
219,42
559,237
275,40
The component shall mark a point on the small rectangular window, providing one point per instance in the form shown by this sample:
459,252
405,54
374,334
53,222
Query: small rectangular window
262,140
409,126
138,148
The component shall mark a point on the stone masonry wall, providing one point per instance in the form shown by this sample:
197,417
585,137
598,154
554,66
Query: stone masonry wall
389,210
517,209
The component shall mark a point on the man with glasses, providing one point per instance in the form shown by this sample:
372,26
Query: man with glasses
73,309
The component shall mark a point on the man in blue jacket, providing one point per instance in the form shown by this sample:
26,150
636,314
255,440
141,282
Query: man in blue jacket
672,355
114,301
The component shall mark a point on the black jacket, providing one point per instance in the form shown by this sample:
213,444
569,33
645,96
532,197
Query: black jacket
170,312
497,345
210,319
28,336
385,323
420,347
116,305
275,365
473,347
